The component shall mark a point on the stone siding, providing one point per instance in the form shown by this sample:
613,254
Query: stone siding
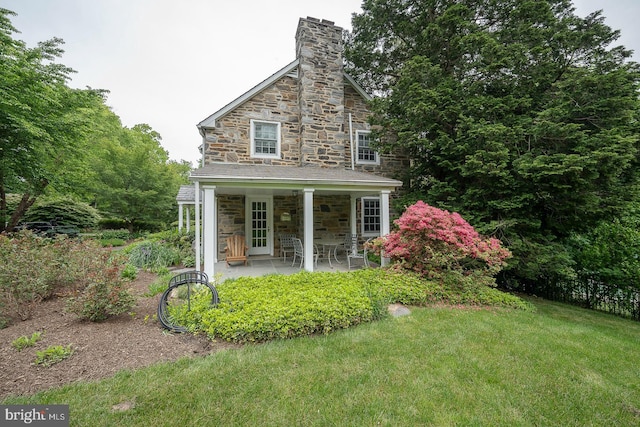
312,109
230,141
231,219
320,93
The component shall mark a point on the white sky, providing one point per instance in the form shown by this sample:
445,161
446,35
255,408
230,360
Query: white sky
171,63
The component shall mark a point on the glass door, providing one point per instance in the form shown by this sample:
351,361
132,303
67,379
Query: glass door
259,225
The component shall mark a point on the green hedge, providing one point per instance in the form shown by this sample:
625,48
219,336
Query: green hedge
278,306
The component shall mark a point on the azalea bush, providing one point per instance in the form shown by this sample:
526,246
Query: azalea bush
439,244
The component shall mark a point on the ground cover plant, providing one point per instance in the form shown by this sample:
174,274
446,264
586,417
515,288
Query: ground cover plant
441,365
276,306
24,341
53,354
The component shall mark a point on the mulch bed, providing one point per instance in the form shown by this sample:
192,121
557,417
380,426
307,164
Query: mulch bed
129,341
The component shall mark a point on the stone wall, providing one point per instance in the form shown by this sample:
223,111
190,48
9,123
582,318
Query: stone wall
230,141
320,93
313,110
231,220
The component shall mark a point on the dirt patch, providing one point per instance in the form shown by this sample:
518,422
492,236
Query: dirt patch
129,341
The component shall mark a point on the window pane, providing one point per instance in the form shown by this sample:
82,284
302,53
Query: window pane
371,215
365,152
265,138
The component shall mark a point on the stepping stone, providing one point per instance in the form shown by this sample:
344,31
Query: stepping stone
398,310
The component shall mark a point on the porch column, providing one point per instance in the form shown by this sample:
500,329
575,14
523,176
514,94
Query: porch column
180,215
308,229
197,231
188,219
353,220
209,230
384,220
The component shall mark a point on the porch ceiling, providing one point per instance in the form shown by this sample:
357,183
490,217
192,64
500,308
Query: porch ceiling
284,180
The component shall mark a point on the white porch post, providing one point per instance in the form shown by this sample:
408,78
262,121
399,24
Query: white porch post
385,223
180,215
308,229
353,221
197,231
209,230
188,219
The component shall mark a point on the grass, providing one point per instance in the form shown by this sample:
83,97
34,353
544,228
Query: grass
559,365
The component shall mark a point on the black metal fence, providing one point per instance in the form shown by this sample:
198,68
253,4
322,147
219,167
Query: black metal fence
591,292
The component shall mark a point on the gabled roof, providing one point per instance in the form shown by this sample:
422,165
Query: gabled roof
291,68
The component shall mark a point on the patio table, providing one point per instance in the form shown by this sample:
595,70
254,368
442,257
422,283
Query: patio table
328,246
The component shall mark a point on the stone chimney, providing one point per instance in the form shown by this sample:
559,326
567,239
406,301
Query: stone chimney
320,93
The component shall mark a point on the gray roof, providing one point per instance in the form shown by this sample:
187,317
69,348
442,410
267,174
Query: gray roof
265,174
186,193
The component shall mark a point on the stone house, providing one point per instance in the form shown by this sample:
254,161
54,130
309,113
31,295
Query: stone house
292,155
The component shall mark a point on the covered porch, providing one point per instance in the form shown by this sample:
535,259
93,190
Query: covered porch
263,265
262,202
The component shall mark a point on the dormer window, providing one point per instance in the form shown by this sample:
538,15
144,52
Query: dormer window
366,155
265,139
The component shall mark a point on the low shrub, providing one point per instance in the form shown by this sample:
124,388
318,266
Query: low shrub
276,306
119,234
64,210
153,255
105,243
182,241
105,294
129,272
33,268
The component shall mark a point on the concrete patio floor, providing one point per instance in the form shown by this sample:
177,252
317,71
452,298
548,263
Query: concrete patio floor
261,265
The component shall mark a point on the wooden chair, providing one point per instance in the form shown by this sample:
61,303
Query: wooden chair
236,249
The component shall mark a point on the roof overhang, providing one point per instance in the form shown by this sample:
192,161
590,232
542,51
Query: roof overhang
268,179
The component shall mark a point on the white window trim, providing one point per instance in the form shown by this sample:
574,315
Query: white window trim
357,153
253,145
362,230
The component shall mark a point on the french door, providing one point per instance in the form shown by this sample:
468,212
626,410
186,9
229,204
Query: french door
259,224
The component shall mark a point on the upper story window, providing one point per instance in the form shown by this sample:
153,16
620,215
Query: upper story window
265,139
365,153
370,216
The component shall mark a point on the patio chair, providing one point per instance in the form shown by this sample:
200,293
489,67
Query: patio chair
356,253
236,249
286,244
298,251
347,244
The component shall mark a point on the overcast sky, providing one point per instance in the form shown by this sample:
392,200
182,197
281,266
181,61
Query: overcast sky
172,63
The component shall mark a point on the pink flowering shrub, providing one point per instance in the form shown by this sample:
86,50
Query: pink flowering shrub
433,242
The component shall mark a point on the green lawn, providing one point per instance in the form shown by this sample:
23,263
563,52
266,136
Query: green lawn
557,366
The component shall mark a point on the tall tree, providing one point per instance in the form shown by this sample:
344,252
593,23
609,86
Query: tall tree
518,114
135,180
40,118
